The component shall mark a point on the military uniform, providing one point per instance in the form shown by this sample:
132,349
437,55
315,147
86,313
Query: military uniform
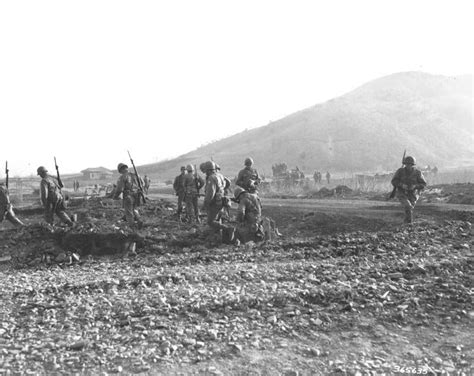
215,185
127,185
246,177
179,190
191,185
249,215
6,208
408,184
53,200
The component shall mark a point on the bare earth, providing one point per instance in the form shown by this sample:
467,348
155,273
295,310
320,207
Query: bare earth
347,290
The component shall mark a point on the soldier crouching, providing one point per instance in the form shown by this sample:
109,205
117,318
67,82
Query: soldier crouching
249,216
408,181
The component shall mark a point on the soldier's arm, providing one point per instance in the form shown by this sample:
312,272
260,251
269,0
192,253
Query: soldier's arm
118,188
176,184
211,189
240,179
421,182
396,179
200,182
43,192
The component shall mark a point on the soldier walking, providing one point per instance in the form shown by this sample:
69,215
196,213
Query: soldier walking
52,198
408,181
248,177
127,185
179,189
192,183
6,208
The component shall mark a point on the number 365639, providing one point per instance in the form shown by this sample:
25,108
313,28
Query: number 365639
411,370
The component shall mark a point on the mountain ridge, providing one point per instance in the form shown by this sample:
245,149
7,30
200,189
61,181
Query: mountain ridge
365,129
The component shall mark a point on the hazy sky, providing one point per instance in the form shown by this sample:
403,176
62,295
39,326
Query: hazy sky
86,80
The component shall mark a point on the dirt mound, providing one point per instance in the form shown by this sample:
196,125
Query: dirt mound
461,193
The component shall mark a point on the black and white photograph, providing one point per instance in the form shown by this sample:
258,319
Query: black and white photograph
254,188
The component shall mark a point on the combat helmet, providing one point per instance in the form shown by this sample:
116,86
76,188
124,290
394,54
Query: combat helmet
207,166
248,161
120,166
238,191
409,161
41,169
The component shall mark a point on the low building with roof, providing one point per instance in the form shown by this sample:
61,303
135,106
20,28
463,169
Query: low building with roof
96,173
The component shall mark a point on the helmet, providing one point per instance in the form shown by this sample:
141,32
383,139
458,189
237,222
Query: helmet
190,167
238,191
409,160
207,166
120,166
41,169
248,161
183,168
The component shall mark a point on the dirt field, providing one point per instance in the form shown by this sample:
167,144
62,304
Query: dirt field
347,290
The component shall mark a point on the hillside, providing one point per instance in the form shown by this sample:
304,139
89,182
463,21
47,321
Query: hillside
364,130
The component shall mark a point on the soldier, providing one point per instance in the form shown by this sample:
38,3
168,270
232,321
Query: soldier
249,213
214,196
248,177
127,185
52,198
328,177
192,183
408,181
179,189
6,208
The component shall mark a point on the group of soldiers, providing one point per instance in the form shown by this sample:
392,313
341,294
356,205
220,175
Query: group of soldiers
217,202
407,181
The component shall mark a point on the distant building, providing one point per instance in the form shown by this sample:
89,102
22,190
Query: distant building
96,173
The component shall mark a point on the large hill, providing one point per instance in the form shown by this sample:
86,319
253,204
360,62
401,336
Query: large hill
364,130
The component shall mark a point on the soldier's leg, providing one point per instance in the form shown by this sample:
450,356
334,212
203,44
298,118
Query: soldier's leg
60,211
129,210
408,208
13,218
189,207
180,203
212,218
49,215
196,208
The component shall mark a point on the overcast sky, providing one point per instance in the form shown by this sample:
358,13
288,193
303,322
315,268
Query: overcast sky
86,80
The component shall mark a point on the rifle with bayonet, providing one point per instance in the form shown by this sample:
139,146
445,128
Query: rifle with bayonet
394,190
141,194
6,174
60,183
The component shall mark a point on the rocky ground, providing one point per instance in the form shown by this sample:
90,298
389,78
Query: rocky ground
346,290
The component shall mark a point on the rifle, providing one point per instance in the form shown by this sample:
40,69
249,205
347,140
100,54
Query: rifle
394,190
196,180
60,183
6,174
141,195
